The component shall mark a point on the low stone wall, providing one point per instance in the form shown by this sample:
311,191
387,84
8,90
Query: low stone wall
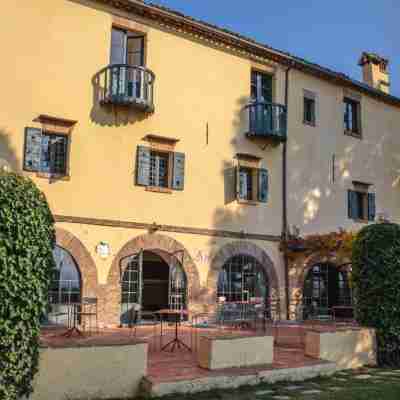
92,372
349,349
221,351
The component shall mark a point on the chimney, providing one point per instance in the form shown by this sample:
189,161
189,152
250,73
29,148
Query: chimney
375,71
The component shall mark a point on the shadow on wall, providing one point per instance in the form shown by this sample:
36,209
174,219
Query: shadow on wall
112,115
8,158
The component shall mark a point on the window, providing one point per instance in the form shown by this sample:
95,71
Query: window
261,87
361,204
352,120
126,48
246,191
252,184
45,152
241,279
160,169
309,111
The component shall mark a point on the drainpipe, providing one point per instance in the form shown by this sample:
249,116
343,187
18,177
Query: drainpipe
284,198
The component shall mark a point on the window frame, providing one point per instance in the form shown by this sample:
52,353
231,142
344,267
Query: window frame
355,129
363,194
310,101
40,172
168,155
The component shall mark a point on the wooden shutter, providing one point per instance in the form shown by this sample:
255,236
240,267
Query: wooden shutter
143,166
178,175
33,149
229,185
371,207
352,205
263,185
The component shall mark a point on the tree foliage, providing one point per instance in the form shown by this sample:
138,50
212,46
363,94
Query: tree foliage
26,265
376,279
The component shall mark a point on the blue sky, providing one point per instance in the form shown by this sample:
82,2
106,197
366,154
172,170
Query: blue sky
330,33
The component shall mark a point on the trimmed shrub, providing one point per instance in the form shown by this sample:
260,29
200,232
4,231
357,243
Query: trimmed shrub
376,278
26,265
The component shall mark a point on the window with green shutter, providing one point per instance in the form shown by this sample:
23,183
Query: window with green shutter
252,184
361,204
45,152
159,169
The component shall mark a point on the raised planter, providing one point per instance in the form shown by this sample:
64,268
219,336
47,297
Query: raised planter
227,351
90,372
351,348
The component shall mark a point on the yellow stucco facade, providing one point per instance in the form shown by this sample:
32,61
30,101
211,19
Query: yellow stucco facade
54,49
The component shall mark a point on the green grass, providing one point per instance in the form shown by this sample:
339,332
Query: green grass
379,387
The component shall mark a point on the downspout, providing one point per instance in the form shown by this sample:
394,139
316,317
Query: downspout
284,198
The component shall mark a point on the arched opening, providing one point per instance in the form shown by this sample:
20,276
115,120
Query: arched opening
326,287
241,279
65,288
151,281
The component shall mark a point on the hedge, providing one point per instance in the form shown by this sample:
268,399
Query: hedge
27,238
376,279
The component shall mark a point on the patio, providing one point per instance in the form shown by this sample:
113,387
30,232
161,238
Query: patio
169,372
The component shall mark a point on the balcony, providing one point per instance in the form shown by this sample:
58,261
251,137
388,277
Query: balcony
267,121
126,85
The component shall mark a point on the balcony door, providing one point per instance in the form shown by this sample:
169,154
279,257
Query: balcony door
127,50
261,115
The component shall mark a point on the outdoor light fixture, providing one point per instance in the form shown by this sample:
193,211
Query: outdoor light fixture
103,250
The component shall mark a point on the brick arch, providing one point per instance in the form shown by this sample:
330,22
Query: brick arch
233,249
84,260
299,270
166,247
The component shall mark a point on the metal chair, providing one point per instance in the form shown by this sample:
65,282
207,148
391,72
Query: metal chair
57,311
89,311
134,317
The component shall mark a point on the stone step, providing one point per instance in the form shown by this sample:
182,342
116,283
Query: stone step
231,380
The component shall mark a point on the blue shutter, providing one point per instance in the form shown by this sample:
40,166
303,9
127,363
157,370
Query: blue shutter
352,205
371,207
33,148
263,185
143,166
178,178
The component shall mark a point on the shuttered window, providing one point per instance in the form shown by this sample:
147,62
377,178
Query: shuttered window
361,205
45,152
160,169
252,184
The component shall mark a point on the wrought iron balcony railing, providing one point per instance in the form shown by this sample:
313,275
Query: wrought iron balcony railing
126,85
267,120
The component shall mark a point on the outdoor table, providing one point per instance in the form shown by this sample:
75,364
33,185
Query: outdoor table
177,314
74,318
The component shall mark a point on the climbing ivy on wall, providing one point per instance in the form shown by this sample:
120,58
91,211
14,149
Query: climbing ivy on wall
26,265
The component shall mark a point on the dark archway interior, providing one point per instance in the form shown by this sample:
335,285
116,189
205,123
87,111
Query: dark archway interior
326,286
155,282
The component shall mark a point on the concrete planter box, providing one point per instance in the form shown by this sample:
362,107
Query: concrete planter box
217,351
349,349
93,372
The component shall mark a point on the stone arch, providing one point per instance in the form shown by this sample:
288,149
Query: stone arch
299,270
84,260
235,248
166,247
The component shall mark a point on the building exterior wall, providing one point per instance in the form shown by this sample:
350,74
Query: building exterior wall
200,93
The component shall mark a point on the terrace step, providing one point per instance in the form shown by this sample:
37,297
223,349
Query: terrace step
233,378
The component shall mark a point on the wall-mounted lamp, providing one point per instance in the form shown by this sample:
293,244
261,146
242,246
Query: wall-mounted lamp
103,250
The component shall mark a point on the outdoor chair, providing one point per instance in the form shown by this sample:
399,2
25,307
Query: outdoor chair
134,317
87,313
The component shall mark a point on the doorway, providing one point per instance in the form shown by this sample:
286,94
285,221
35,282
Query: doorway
148,280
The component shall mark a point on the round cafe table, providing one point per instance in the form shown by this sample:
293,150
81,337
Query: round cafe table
176,314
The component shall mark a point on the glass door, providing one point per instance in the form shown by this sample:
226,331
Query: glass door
177,286
131,287
261,94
